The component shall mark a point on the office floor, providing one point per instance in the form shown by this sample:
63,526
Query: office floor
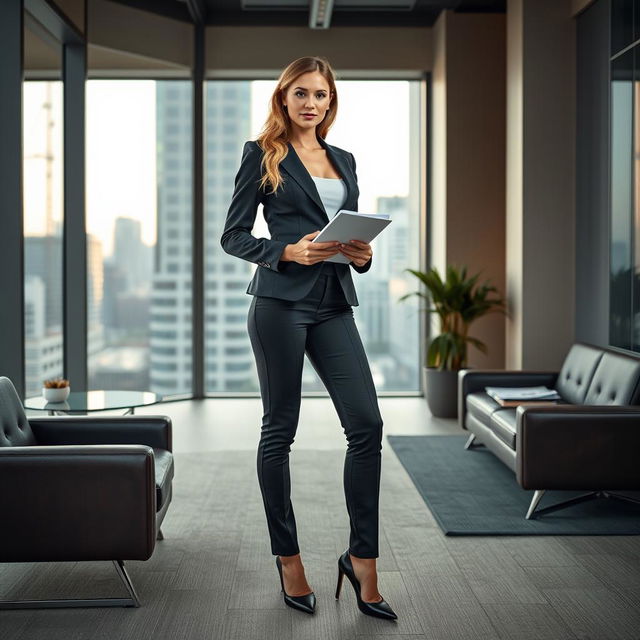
214,576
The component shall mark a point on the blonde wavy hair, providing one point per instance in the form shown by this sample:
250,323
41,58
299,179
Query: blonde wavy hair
277,129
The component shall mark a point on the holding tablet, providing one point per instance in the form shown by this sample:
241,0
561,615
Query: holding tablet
346,225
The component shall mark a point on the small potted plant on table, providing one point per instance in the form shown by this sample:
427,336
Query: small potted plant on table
56,389
458,301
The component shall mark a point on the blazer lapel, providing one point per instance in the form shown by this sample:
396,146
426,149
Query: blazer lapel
296,169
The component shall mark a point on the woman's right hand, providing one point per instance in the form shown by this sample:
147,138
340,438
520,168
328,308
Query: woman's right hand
306,252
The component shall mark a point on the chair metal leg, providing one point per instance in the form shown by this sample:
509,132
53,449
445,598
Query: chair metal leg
470,441
124,576
70,603
537,496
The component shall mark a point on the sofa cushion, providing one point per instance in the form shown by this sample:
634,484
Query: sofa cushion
577,371
481,406
15,430
503,425
164,475
616,380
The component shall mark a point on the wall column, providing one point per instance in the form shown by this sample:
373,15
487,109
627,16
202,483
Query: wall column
468,161
11,241
540,248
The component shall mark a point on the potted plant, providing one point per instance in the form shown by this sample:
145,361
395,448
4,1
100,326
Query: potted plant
56,389
458,301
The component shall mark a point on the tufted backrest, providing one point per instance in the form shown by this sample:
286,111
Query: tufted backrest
615,381
15,430
577,372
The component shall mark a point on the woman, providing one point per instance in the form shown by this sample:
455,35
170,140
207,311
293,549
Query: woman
304,304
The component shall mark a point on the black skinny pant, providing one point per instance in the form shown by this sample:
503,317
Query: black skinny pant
322,325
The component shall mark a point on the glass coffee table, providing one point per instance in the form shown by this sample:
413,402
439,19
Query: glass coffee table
96,400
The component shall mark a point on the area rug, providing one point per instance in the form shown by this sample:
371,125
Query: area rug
472,493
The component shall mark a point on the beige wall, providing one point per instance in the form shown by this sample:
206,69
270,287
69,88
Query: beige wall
468,137
167,44
117,28
437,242
540,182
514,152
578,6
74,10
251,49
105,62
42,53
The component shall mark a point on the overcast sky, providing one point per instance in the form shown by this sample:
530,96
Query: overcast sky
372,123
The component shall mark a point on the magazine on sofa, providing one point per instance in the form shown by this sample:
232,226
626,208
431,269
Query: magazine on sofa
514,396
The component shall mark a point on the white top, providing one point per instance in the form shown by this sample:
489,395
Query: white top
332,192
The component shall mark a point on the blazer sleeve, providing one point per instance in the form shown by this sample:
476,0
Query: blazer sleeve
367,265
236,238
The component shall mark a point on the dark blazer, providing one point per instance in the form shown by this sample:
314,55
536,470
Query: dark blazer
293,212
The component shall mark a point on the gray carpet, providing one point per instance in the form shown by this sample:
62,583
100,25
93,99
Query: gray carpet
473,493
214,578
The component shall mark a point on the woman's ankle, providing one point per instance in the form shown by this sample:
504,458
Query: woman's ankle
294,559
364,562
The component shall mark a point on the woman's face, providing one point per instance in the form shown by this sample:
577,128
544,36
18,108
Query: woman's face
308,93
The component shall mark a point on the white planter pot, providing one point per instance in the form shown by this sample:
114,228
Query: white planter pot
56,395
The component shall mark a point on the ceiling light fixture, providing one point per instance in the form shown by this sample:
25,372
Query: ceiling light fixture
320,12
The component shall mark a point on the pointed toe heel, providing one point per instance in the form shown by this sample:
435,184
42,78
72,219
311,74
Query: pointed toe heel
306,603
376,609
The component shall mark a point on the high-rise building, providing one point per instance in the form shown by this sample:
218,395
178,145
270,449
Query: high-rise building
43,258
170,308
95,295
43,346
114,281
118,303
131,255
388,328
229,364
229,361
403,317
44,357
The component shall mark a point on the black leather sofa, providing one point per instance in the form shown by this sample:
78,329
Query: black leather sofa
81,488
589,441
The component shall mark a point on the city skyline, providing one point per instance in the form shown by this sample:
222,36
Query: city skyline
131,104
139,293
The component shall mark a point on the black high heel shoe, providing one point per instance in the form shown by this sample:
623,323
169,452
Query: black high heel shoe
377,609
306,603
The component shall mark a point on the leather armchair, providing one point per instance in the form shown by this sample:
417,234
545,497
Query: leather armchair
82,488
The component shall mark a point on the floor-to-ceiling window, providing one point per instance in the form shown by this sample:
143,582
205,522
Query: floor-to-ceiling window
621,263
379,122
139,226
43,215
624,308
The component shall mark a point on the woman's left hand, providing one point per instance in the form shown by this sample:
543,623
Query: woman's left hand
359,252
